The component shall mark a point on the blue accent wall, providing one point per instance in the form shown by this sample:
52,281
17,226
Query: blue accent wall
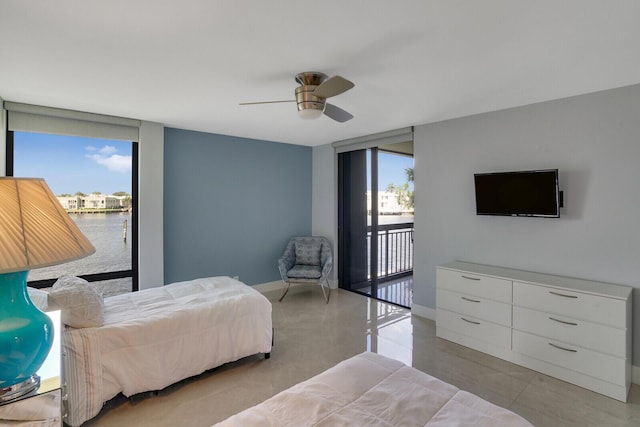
231,205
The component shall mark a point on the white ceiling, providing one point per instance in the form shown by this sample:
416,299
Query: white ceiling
189,63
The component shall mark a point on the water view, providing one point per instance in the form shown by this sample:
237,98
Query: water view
393,219
105,231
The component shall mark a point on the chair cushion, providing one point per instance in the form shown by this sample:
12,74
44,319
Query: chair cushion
304,272
308,253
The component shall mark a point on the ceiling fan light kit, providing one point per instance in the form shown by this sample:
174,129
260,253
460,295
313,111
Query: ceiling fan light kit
312,94
309,113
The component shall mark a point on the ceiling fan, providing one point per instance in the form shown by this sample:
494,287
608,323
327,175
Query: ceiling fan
312,94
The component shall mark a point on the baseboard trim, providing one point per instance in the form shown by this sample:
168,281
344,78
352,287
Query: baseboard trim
422,311
269,286
278,285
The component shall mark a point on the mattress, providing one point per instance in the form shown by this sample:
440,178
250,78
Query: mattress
372,390
156,337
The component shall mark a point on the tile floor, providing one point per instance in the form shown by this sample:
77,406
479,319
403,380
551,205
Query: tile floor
396,291
311,336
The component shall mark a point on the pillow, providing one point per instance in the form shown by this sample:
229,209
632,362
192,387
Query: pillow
39,298
82,306
308,253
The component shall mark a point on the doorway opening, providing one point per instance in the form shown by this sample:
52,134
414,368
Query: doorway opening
375,230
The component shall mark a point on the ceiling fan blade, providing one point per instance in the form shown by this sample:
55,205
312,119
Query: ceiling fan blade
266,102
337,113
332,87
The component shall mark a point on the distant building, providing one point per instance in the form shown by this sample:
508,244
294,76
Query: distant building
125,201
388,204
70,202
93,201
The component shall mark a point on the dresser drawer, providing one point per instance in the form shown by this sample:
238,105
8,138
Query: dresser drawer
596,309
605,339
478,307
474,284
598,365
478,329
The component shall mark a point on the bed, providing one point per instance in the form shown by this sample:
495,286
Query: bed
372,390
151,339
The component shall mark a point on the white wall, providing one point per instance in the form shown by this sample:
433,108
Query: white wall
594,141
324,220
151,206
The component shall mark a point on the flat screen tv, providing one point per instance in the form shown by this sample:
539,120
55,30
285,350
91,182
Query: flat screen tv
532,193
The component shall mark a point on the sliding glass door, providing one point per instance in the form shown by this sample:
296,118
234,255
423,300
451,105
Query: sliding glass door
375,223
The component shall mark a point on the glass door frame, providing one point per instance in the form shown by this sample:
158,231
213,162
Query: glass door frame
344,231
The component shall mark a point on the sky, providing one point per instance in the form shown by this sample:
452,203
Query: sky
70,164
391,170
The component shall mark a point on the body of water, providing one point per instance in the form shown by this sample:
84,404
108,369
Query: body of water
392,219
105,232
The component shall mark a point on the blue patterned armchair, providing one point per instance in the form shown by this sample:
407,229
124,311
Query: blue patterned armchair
306,260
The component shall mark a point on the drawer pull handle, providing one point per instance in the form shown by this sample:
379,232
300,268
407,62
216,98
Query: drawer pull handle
563,348
470,321
563,321
469,299
563,295
470,278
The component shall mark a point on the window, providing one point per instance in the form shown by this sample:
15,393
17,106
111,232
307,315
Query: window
93,171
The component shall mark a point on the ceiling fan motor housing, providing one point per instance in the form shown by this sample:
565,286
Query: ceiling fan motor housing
305,98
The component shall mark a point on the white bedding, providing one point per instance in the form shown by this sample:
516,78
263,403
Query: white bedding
372,390
156,337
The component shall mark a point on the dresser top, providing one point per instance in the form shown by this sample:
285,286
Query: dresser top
589,286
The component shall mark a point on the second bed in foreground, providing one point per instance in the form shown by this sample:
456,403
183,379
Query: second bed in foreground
372,390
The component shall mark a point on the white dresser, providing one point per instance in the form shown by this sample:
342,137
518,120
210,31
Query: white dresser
575,330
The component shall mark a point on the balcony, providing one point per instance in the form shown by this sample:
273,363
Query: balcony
395,263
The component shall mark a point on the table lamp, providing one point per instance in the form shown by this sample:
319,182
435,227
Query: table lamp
35,231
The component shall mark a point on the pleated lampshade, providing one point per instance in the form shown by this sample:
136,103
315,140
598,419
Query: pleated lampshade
35,231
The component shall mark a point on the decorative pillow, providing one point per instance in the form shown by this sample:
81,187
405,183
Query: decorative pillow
308,253
82,306
39,298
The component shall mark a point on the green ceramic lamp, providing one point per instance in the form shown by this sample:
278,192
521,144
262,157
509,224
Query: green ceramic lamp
35,232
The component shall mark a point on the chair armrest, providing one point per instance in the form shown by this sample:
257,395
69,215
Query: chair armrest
286,261
326,268
283,267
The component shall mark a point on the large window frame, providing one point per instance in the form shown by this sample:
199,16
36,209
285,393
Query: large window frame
94,277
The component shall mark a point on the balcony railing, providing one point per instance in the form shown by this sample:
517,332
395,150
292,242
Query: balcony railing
395,250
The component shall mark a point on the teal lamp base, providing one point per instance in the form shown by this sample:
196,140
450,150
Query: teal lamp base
16,391
26,336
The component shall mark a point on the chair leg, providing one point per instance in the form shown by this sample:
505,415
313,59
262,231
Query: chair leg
326,296
285,291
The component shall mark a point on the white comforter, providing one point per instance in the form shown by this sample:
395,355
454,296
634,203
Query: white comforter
156,337
372,390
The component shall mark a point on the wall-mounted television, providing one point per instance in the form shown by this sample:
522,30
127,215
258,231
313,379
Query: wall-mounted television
533,193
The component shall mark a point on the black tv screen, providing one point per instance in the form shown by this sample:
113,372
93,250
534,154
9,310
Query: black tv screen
523,193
